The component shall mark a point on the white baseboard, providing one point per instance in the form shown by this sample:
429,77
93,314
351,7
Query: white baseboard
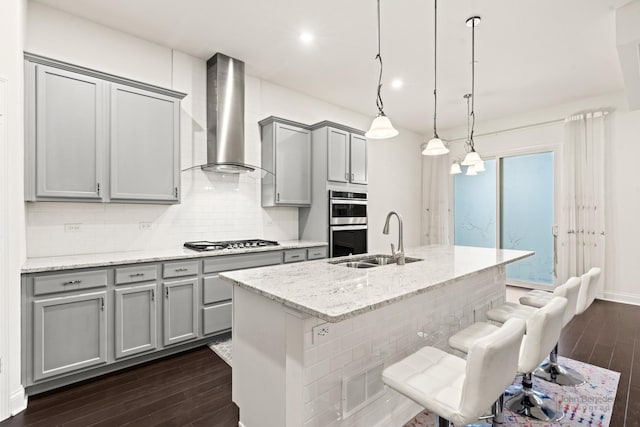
18,401
621,297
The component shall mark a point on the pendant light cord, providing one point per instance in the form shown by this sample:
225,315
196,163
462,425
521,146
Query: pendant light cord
379,102
473,82
435,68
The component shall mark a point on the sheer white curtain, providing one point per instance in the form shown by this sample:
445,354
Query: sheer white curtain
582,224
435,200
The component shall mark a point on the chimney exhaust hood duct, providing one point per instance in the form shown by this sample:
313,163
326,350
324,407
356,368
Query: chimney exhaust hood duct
225,116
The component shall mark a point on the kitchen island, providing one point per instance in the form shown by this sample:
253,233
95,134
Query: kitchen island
310,340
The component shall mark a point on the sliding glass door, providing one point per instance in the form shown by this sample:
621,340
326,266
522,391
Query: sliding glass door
512,203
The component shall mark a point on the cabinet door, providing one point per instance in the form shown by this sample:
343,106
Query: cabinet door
358,159
338,155
144,145
69,333
70,134
180,311
135,320
293,165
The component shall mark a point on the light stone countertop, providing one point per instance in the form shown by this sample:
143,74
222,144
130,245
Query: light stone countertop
334,292
43,264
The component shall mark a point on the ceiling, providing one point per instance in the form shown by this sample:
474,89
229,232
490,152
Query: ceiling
530,53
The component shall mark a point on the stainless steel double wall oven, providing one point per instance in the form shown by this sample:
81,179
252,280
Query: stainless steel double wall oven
347,223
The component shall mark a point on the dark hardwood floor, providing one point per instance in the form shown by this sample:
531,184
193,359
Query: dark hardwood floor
194,388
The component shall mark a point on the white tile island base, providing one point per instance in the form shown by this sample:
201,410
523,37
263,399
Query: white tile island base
282,378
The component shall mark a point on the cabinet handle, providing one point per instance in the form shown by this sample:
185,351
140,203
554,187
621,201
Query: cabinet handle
72,282
166,292
346,177
277,197
102,304
353,176
136,275
98,188
153,294
295,256
175,191
179,270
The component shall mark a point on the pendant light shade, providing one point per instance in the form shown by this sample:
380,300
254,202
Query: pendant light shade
435,147
471,170
479,167
455,169
471,159
381,128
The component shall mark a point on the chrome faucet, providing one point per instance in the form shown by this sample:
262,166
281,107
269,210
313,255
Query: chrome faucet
398,256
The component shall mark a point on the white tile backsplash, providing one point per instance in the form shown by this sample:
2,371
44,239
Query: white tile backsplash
214,207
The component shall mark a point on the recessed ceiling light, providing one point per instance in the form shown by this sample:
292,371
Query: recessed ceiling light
397,83
306,37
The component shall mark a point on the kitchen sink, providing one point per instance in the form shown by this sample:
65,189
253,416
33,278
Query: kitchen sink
371,261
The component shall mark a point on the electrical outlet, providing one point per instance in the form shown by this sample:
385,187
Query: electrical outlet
73,227
145,225
320,333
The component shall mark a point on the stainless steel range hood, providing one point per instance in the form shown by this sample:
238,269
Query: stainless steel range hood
225,115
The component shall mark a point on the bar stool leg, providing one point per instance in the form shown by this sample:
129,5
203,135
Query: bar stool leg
497,409
532,404
553,372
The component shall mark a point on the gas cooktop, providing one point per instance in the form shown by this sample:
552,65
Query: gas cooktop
204,245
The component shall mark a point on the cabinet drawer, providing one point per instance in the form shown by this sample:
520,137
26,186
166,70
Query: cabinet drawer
316,253
295,255
215,289
69,282
216,318
179,269
135,274
238,262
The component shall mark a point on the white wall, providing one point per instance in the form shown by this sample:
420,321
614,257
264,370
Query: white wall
622,191
12,398
213,207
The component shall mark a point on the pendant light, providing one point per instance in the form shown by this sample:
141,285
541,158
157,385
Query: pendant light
435,147
455,168
471,170
472,158
381,127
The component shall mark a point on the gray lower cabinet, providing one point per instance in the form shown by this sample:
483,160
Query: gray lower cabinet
180,314
136,319
69,333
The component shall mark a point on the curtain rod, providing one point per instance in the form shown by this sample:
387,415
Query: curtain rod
548,122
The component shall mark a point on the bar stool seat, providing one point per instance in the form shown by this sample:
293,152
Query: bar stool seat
464,339
458,390
537,298
510,310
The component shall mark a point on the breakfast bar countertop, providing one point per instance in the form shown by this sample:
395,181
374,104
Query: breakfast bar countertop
333,292
44,264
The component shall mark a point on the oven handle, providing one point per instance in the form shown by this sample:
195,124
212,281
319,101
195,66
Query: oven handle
348,227
348,202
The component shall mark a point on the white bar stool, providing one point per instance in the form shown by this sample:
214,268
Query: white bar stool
456,390
543,331
550,370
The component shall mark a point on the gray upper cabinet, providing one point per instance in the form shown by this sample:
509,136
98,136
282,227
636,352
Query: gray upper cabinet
286,152
69,333
358,156
136,319
95,137
144,149
68,122
338,155
346,156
